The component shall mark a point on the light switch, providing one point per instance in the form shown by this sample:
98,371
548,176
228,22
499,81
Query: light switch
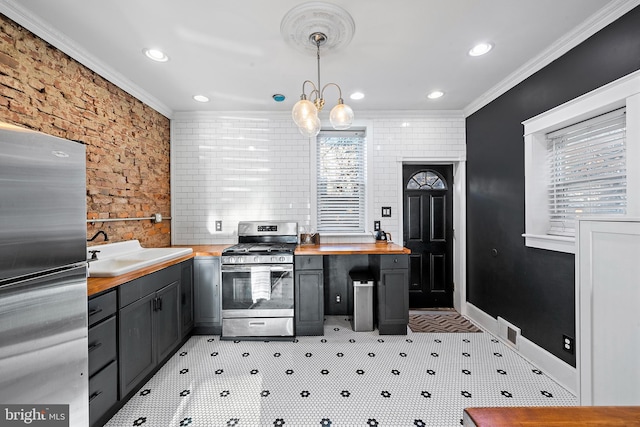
386,211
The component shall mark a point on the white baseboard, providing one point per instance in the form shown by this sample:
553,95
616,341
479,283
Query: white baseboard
561,372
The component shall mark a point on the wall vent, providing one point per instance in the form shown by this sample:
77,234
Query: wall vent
508,332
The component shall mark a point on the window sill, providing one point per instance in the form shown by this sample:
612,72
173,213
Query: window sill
551,243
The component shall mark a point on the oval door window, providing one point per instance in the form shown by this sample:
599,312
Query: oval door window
426,180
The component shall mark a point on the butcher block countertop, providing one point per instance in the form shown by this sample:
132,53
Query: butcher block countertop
96,285
352,249
553,416
205,250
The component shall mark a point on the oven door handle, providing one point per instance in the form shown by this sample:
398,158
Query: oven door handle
247,268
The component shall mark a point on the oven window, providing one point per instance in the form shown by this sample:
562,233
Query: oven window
257,288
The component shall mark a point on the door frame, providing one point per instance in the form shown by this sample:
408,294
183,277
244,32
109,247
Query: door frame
459,219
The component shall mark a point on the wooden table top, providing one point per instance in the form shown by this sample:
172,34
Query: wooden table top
554,416
351,249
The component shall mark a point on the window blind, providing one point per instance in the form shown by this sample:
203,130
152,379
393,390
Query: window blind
341,179
587,171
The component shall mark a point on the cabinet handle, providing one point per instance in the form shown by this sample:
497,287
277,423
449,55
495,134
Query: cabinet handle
95,311
395,260
94,346
160,304
257,323
94,395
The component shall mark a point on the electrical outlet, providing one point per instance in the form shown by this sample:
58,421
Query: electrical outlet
218,225
376,225
338,298
568,344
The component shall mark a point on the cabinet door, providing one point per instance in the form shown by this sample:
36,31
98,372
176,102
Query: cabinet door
207,291
166,326
136,355
393,302
186,299
309,302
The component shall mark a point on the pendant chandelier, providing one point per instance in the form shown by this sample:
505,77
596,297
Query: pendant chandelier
305,112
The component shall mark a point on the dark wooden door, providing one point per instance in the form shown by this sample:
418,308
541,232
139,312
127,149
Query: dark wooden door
428,232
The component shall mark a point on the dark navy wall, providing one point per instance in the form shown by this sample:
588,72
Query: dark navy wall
531,288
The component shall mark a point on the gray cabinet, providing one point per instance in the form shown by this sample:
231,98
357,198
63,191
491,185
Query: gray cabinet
393,293
148,324
207,296
103,356
186,299
309,295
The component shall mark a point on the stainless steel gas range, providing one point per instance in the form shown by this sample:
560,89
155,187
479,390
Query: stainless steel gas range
257,281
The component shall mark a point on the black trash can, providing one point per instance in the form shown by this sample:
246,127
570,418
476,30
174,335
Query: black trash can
362,319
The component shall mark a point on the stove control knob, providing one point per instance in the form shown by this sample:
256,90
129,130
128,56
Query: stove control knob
281,259
256,259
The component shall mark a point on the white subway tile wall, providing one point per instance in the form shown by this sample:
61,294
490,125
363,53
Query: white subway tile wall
238,168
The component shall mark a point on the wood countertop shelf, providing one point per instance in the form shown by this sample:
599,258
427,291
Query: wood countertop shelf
554,416
352,249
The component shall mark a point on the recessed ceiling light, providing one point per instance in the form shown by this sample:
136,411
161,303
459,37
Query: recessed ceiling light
357,95
480,49
156,55
435,94
200,98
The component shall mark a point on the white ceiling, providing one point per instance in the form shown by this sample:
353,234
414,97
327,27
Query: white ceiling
233,52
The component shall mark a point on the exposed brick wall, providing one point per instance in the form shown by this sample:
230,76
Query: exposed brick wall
127,141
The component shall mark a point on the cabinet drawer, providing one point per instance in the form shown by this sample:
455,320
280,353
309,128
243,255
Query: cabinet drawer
103,392
102,307
308,262
102,345
394,261
146,285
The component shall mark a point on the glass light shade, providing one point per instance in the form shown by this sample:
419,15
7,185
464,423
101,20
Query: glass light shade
302,111
310,127
341,117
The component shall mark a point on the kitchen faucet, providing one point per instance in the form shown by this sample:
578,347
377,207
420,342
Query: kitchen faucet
106,238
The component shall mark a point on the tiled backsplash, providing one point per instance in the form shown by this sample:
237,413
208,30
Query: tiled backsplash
253,167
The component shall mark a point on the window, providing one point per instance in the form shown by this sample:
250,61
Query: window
428,180
582,159
587,171
341,181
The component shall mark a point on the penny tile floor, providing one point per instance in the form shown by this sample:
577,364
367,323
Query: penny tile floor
343,378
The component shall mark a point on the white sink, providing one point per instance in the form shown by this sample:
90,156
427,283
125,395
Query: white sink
119,258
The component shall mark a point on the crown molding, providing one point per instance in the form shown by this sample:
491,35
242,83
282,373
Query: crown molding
605,16
13,10
262,115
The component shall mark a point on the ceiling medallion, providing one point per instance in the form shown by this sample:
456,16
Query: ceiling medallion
331,20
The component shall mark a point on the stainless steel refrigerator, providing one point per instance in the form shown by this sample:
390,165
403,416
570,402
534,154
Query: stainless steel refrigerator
43,280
